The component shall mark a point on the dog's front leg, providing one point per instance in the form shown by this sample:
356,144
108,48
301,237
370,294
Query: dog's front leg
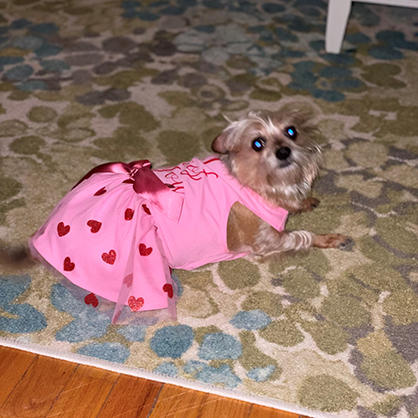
270,241
305,205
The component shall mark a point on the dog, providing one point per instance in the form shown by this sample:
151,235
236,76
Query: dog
122,228
276,155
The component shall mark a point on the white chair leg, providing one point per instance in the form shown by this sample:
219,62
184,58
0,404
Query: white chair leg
337,17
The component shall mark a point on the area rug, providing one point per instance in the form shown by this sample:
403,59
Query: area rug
329,333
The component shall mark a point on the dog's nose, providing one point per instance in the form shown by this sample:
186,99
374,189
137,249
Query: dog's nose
283,153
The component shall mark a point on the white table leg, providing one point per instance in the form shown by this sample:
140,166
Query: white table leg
337,17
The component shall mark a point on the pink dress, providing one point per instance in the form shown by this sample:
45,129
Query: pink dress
122,228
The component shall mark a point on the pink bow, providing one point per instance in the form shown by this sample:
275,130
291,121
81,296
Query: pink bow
145,183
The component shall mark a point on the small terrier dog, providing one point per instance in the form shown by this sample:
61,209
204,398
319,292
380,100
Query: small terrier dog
122,228
275,155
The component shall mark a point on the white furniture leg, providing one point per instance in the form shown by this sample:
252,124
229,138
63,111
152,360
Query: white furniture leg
338,12
337,17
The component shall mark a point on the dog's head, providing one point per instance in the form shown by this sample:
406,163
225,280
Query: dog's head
273,153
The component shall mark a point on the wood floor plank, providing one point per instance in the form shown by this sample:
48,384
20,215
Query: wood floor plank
131,397
259,411
219,407
13,364
36,386
38,389
178,402
84,394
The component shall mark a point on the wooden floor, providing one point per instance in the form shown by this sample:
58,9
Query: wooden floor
37,386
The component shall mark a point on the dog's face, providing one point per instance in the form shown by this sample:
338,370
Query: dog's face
273,153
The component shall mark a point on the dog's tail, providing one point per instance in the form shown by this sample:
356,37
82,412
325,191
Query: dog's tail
15,258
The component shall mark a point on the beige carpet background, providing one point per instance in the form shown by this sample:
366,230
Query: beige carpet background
86,82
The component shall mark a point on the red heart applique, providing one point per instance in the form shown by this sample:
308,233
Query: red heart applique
100,192
91,299
146,210
129,214
135,304
94,225
68,264
168,288
144,250
109,257
63,229
128,280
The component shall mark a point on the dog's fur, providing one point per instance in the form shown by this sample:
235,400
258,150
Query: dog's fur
282,178
284,181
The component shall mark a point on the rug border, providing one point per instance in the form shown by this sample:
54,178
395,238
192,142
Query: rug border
178,381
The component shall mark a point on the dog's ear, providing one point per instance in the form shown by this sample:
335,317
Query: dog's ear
224,143
228,140
219,145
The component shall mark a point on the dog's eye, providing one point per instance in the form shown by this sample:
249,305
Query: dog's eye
291,132
258,144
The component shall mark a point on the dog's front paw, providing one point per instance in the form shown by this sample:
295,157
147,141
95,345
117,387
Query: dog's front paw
309,204
341,242
338,241
347,244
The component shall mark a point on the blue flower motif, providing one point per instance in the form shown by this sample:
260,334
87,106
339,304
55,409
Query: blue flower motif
273,8
385,53
153,11
167,368
396,39
251,320
88,322
213,375
284,35
19,73
26,318
20,24
113,352
327,83
317,3
261,374
390,44
48,50
364,14
219,346
172,341
27,42
44,28
34,41
221,42
298,23
10,60
357,38
33,85
194,366
55,66
243,6
133,332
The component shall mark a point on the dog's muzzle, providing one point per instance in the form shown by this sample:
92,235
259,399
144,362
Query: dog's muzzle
283,153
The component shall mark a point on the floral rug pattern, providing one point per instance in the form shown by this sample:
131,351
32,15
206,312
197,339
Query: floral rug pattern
85,82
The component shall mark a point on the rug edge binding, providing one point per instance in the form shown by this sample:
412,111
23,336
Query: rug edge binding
137,372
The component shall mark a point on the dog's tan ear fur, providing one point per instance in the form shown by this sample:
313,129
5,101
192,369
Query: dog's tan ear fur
219,144
227,139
